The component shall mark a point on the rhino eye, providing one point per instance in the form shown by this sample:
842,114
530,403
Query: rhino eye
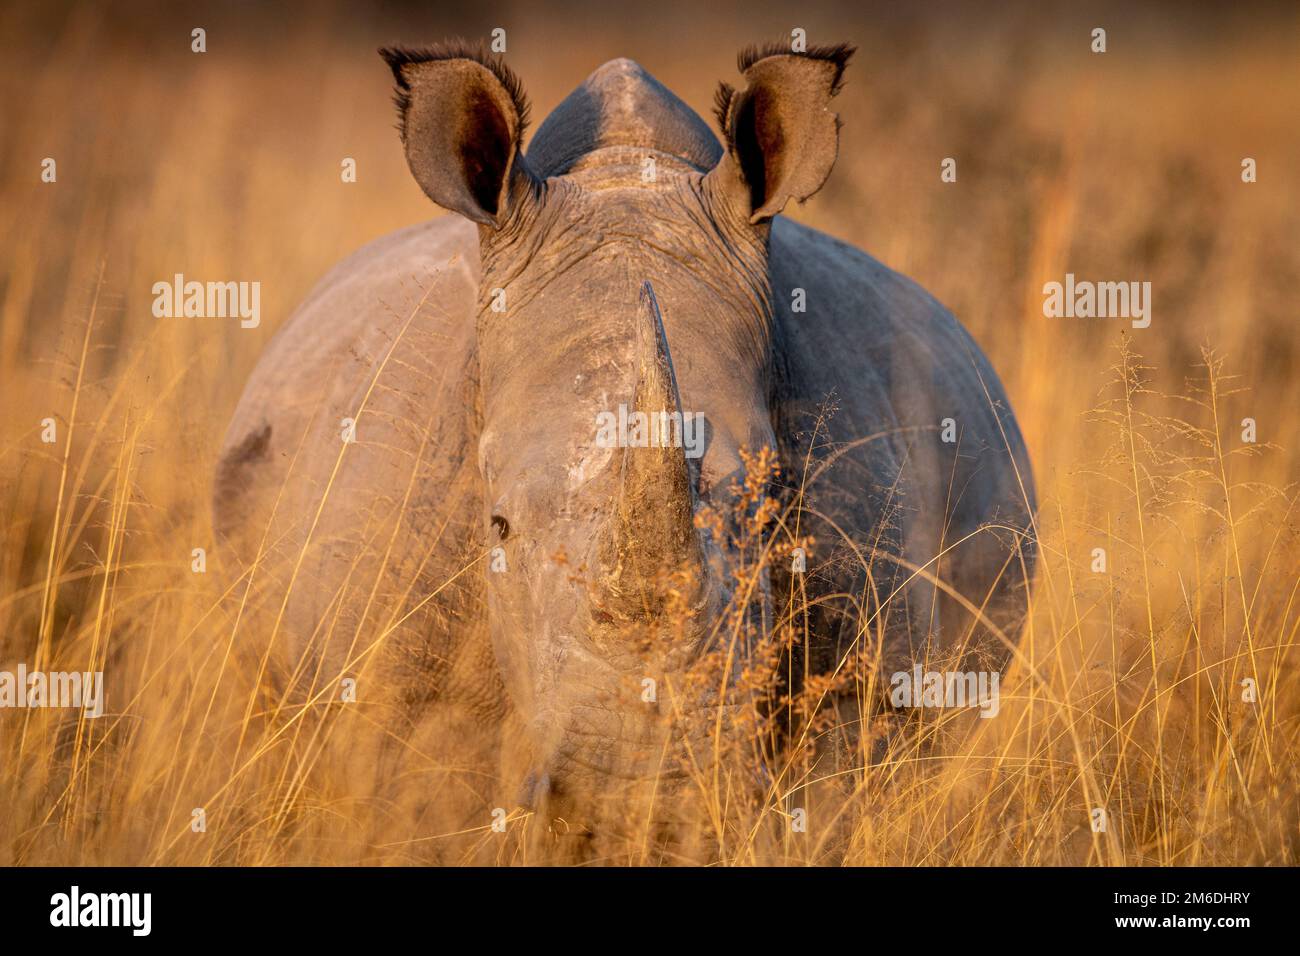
502,526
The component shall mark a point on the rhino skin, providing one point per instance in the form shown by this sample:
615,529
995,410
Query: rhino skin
474,428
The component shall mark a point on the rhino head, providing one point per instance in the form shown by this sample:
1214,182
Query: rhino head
624,269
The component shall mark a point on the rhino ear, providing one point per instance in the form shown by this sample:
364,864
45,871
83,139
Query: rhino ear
780,134
462,116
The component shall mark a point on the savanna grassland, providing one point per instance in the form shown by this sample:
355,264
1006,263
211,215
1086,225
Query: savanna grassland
1162,691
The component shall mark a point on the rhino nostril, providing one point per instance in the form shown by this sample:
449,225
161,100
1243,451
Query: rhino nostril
502,527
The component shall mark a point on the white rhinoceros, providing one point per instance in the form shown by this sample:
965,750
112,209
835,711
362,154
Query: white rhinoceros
479,532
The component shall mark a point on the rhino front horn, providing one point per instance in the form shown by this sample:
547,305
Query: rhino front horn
654,524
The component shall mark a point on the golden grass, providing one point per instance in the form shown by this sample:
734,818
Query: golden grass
1127,691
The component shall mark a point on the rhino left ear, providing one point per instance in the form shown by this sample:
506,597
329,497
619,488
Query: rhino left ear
462,116
780,134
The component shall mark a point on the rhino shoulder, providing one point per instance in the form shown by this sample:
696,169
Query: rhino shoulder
855,293
886,353
394,308
446,247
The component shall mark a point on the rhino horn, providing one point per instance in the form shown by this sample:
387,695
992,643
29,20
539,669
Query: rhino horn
654,522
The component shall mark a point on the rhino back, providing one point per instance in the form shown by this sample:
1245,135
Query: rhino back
893,363
357,539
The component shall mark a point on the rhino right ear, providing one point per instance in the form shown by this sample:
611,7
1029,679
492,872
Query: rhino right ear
462,116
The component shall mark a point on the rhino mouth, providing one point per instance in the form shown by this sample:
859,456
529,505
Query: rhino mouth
599,748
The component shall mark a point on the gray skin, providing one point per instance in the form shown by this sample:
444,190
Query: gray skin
476,428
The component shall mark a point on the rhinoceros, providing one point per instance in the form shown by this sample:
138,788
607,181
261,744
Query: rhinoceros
417,473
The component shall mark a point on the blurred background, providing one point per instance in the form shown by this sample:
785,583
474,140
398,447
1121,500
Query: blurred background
226,165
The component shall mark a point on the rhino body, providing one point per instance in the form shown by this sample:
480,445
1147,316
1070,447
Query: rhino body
473,429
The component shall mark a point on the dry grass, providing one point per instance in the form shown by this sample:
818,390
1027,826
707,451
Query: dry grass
1127,691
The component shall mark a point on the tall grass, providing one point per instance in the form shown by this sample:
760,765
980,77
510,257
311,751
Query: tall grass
1126,694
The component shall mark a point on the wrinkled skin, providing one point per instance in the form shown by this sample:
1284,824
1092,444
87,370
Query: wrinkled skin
477,429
